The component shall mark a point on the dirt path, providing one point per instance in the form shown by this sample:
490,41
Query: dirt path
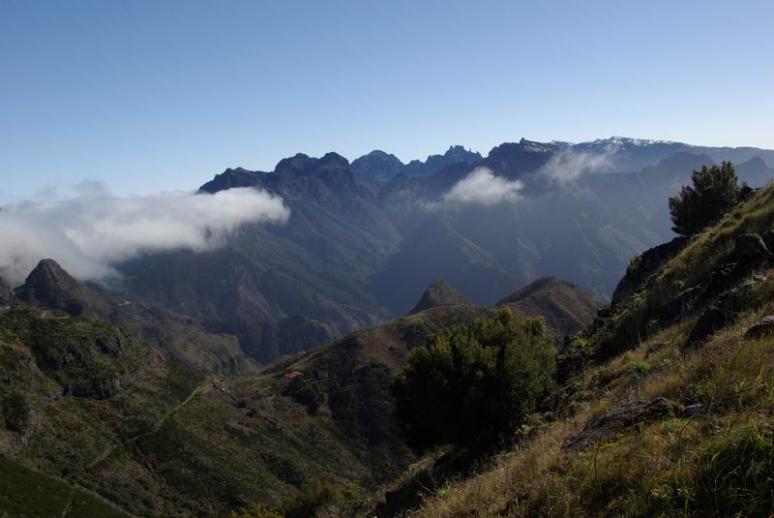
203,387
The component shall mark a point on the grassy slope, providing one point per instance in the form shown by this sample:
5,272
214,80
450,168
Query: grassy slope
169,443
720,461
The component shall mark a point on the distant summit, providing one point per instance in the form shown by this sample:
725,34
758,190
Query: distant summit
378,165
440,293
566,308
382,166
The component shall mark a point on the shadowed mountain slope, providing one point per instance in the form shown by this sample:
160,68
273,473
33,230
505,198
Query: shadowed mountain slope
440,293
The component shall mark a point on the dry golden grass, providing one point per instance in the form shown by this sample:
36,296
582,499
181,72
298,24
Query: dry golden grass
654,468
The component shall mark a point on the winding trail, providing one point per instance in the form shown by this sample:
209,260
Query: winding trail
203,387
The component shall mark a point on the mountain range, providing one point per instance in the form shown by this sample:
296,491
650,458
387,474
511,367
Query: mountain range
364,239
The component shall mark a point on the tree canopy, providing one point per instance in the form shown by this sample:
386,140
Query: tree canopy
715,189
474,384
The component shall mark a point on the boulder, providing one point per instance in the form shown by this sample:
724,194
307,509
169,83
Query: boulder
764,327
620,418
751,250
768,238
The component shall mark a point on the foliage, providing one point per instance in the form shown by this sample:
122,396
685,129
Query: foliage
475,383
715,190
322,496
16,412
306,393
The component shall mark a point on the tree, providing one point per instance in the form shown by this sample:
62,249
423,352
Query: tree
474,384
715,190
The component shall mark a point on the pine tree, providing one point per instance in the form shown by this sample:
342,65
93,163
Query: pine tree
714,191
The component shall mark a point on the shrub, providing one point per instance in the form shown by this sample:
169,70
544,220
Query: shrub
16,412
474,384
715,190
306,393
322,498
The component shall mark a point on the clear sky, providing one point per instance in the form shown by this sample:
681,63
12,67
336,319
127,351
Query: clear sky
161,95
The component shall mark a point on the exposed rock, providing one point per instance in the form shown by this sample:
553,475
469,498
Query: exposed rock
48,285
378,165
763,327
768,238
642,267
693,410
440,293
724,310
683,303
750,249
619,418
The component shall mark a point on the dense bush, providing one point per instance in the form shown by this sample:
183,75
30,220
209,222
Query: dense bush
714,191
15,412
306,393
474,384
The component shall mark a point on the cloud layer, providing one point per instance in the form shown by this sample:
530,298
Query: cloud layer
567,166
90,232
482,187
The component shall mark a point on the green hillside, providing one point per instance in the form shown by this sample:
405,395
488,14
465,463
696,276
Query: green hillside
667,404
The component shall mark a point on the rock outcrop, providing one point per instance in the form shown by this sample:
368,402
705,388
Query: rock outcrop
763,327
620,418
645,265
49,286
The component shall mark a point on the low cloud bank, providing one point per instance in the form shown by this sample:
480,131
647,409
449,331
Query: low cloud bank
567,166
482,187
91,231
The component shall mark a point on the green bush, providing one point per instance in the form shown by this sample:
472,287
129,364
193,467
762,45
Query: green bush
306,393
474,384
715,190
16,412
323,497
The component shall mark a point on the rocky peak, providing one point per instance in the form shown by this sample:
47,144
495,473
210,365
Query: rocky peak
231,178
378,164
440,293
49,285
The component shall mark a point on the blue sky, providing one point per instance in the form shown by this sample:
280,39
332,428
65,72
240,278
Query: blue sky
161,95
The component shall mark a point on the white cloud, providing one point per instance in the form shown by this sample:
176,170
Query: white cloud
568,166
91,231
484,188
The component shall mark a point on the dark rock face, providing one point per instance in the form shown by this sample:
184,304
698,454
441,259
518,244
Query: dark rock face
619,418
723,311
762,328
440,293
751,249
48,285
378,165
435,163
231,178
768,238
644,266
